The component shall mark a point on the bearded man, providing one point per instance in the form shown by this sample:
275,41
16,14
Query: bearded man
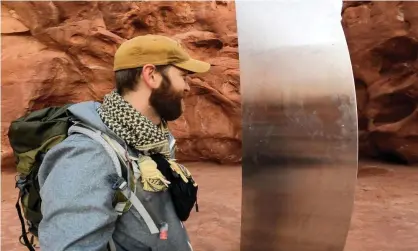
77,208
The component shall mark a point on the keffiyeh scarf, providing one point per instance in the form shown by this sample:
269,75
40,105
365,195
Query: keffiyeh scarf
131,126
139,132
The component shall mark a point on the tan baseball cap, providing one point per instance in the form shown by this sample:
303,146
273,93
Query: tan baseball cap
157,50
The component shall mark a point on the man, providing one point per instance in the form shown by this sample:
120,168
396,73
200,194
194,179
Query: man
76,194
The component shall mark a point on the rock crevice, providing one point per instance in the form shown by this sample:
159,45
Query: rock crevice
59,52
62,52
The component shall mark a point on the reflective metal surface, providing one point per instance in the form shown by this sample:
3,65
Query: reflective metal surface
299,126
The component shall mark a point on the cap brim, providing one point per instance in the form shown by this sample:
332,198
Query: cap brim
193,65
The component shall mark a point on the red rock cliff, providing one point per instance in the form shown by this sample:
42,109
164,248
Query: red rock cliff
382,39
58,52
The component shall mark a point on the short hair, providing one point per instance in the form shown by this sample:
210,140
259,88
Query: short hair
126,79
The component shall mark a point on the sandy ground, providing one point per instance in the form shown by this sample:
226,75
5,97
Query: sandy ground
385,216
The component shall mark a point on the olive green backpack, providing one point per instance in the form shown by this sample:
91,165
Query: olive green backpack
31,137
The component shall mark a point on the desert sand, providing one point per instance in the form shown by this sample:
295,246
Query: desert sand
385,216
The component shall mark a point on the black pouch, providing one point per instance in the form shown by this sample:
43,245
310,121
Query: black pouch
184,195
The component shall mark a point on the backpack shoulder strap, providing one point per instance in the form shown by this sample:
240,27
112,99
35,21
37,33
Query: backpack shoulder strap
96,135
121,205
113,148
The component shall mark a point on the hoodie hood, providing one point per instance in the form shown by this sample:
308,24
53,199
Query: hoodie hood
86,113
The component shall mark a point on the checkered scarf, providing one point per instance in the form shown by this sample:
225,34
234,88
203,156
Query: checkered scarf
131,126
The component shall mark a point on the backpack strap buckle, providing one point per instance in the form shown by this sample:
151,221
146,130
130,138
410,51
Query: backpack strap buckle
120,185
120,207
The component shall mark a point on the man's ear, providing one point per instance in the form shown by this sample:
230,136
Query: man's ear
149,76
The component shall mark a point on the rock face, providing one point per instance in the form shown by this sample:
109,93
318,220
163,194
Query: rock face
59,52
382,39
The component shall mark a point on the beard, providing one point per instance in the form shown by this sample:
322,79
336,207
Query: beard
166,101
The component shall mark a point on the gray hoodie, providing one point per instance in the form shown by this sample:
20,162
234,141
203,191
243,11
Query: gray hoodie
77,198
